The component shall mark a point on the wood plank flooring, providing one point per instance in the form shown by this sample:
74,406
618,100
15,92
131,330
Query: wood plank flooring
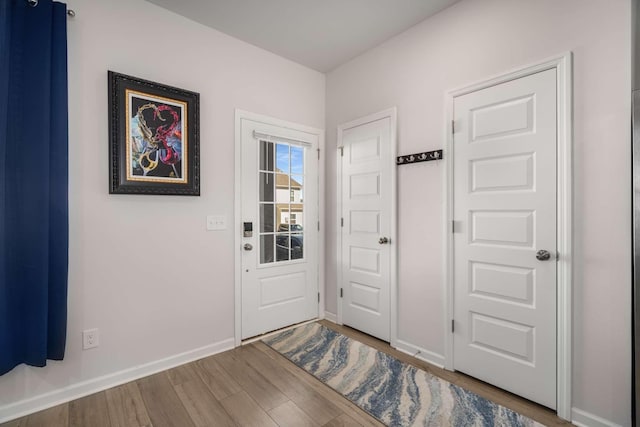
251,385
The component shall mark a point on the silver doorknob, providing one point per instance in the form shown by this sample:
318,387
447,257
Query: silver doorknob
383,240
543,255
248,246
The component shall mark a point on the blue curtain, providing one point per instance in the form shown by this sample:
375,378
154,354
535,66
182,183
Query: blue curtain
33,182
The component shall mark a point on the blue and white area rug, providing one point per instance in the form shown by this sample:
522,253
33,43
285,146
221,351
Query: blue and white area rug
394,392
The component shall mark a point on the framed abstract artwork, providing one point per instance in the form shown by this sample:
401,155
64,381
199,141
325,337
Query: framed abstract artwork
154,138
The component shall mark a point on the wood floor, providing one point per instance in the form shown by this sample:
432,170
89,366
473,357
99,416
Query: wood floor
251,385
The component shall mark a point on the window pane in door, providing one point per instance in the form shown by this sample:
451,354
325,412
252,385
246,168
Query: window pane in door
296,246
266,187
266,218
281,206
266,248
266,156
282,158
297,186
297,160
282,247
282,188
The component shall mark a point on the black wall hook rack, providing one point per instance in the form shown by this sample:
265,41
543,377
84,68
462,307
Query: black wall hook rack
419,157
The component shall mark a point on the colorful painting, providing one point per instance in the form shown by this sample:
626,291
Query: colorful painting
154,138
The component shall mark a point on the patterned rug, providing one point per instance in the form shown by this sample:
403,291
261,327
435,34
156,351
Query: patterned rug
394,392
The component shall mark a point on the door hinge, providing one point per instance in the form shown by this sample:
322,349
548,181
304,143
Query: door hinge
453,326
453,126
453,226
318,153
318,225
341,151
341,293
318,297
341,222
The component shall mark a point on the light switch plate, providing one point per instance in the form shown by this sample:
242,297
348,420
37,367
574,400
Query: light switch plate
216,222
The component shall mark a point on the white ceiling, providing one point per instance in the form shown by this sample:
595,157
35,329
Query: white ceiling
321,34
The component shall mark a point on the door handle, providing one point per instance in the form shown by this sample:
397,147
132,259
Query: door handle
383,240
543,255
248,246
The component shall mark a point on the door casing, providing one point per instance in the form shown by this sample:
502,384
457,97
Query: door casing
392,114
563,66
245,115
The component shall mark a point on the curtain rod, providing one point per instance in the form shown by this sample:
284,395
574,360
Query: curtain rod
34,3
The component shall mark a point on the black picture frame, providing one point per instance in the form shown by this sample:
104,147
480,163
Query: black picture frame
154,138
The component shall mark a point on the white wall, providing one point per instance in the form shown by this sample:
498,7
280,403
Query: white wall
142,268
635,43
469,42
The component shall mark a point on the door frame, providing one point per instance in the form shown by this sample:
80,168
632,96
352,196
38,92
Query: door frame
392,114
241,115
563,66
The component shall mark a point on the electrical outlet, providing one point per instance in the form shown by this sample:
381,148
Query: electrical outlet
90,338
216,222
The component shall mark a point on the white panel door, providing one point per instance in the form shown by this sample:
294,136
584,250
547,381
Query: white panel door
366,227
280,205
504,213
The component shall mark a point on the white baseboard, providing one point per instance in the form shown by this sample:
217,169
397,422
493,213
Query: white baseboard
584,419
85,388
421,353
331,317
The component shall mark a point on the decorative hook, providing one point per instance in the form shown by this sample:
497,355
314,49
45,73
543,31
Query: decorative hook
32,3
419,157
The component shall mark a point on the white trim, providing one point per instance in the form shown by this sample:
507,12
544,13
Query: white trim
425,355
319,133
585,419
323,223
392,114
564,366
331,317
85,388
237,246
514,74
563,65
447,207
339,225
393,339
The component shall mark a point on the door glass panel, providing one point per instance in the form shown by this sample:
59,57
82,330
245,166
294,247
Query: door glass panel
296,190
296,245
281,205
266,156
266,248
282,201
266,218
266,187
297,160
282,247
282,157
282,188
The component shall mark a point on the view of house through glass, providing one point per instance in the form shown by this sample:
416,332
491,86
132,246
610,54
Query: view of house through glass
281,209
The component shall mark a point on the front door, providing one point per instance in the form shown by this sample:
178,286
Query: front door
279,221
504,161
366,227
